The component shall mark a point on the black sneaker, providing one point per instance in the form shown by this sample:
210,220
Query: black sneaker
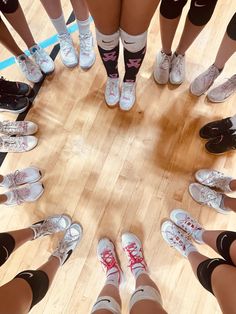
216,128
15,88
13,104
221,144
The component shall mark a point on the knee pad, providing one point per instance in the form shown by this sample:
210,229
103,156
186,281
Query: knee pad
201,11
9,6
38,281
231,28
7,245
223,243
205,270
143,293
107,303
133,43
107,42
171,9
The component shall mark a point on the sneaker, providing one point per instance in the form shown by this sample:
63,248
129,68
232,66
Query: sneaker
223,91
206,196
30,70
188,224
42,59
127,98
13,104
18,127
204,81
217,128
112,92
214,179
15,88
87,55
162,68
221,144
107,257
177,238
20,177
26,194
177,72
69,243
17,144
132,247
53,224
67,51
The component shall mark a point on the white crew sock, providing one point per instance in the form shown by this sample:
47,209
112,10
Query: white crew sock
113,277
60,25
233,120
5,182
138,270
83,26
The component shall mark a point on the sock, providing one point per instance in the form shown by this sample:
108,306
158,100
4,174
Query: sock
83,26
222,205
233,120
60,25
134,53
138,270
5,182
113,277
108,46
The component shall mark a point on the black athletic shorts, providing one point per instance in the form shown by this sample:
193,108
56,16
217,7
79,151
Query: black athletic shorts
8,6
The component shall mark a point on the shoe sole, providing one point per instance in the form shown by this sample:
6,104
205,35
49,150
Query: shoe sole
158,82
175,83
14,111
88,67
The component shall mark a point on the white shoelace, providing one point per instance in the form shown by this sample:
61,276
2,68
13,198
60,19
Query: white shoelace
10,127
66,44
12,143
86,43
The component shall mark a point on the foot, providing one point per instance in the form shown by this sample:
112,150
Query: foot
42,59
15,88
107,257
128,97
26,194
132,247
188,224
18,127
204,81
162,68
69,243
112,92
223,91
206,196
30,70
177,72
13,104
176,238
87,54
17,144
221,144
214,179
217,128
67,51
20,177
53,224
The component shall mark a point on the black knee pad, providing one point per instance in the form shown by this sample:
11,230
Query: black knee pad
205,269
231,28
9,6
38,281
171,9
201,11
7,245
223,243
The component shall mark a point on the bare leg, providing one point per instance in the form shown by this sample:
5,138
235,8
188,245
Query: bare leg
233,185
226,50
53,8
8,41
230,202
80,9
3,198
50,268
111,291
168,29
22,236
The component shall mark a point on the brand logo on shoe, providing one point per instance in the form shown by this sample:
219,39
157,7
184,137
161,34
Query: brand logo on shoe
68,255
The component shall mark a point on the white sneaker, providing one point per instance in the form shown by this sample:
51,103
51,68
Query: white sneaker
177,238
42,59
223,91
30,70
177,72
112,92
17,144
87,54
20,177
204,81
69,243
53,224
214,179
206,196
128,97
28,193
18,127
187,223
67,51
162,68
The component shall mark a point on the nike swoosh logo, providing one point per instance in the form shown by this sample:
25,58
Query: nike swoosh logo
199,5
68,255
27,273
221,242
107,42
107,300
6,252
126,42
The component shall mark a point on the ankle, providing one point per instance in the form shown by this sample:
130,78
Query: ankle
220,67
167,52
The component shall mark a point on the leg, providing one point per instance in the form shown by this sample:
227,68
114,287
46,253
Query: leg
8,41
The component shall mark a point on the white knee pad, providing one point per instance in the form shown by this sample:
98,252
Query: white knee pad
133,43
107,303
107,42
143,293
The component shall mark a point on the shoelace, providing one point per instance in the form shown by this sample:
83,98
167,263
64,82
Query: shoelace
175,238
108,259
20,195
11,128
85,43
11,143
229,84
40,56
112,85
165,62
27,66
190,223
179,63
208,196
134,256
212,74
127,90
16,178
218,180
65,44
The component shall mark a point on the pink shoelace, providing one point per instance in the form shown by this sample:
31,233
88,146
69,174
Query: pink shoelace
134,256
